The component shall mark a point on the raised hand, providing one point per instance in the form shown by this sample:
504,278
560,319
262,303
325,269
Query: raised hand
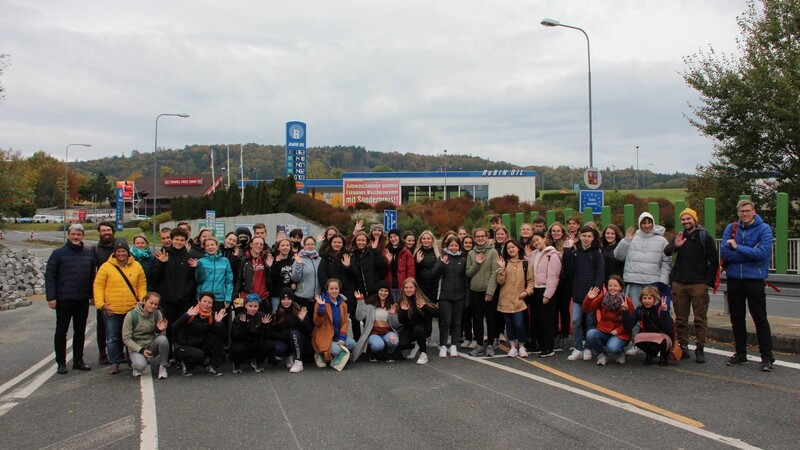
393,309
664,305
445,259
680,239
243,317
319,300
624,305
593,292
192,311
480,257
359,226
419,256
630,232
501,262
220,315
359,296
192,262
420,303
320,237
298,259
302,314
388,255
162,325
346,260
374,243
266,319
162,256
269,259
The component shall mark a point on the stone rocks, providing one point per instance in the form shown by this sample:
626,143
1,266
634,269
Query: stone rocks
21,275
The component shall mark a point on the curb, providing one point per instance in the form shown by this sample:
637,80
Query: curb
780,343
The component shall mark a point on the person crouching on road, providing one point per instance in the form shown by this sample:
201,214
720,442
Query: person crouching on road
249,335
118,286
144,333
199,333
290,331
330,324
610,336
381,324
655,326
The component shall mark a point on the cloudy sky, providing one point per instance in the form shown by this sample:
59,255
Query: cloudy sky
470,76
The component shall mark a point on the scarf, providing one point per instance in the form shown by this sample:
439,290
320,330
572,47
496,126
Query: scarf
204,316
140,254
613,302
447,250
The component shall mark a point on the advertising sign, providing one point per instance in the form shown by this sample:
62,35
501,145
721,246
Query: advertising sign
190,181
120,204
296,153
371,191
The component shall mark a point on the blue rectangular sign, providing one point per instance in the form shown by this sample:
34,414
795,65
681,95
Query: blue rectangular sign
592,199
296,153
389,220
120,208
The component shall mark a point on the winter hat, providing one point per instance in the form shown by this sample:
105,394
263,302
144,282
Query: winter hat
121,243
253,297
692,213
645,215
394,231
243,230
375,226
383,284
287,293
143,236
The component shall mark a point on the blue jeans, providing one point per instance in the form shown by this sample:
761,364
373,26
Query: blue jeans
349,343
515,325
113,326
597,340
578,317
388,341
274,301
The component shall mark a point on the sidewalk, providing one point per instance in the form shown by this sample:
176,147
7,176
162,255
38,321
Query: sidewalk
785,331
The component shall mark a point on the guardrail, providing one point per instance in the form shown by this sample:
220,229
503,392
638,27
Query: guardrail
793,263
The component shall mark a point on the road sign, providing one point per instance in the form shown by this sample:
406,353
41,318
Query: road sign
592,199
592,178
218,229
389,219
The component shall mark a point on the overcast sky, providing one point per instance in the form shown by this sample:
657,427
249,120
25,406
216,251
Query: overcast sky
470,76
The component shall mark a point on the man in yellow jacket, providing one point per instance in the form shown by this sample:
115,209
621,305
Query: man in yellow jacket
118,286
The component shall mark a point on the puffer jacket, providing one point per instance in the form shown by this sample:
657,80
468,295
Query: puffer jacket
547,270
609,320
174,279
750,260
512,281
70,273
331,266
482,276
145,331
454,277
366,267
645,261
214,274
427,278
111,289
305,275
583,269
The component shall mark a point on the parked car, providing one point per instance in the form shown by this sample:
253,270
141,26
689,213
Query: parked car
24,219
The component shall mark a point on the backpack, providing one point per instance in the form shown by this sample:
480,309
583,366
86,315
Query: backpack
157,317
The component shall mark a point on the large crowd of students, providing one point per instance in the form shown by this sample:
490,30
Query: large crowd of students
196,302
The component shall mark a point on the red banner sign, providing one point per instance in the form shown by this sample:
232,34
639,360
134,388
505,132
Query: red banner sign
194,181
371,191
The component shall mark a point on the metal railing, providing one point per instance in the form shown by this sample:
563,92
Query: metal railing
793,260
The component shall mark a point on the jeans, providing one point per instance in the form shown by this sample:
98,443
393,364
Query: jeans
694,296
749,293
113,328
388,341
274,301
78,312
515,325
597,340
159,348
349,343
578,317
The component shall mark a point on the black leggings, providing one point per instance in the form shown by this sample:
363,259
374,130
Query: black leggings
481,309
411,334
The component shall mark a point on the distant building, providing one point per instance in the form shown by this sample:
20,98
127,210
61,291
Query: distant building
171,187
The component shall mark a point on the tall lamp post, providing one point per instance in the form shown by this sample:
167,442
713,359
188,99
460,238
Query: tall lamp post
445,174
66,183
155,177
555,23
614,176
637,167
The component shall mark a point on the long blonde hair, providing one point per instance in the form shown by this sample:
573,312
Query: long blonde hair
436,250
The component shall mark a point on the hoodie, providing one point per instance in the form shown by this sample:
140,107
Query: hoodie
645,261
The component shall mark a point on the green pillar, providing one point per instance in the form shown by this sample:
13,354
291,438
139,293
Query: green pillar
550,215
588,215
533,215
710,213
652,207
568,212
605,216
680,205
629,214
781,232
519,218
744,197
506,218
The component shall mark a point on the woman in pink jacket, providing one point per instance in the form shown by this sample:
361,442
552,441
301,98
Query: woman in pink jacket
545,262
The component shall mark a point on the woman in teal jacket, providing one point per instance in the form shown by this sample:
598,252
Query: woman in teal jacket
213,274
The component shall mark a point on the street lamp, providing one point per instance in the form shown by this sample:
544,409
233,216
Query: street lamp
66,183
571,178
637,167
155,177
644,170
614,175
445,174
555,23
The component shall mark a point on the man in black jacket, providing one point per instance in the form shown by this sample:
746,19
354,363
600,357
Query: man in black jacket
693,272
68,283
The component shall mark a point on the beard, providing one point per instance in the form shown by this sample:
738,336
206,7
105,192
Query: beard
107,239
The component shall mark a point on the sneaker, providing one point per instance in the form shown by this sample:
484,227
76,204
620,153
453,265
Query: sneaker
766,365
413,352
465,343
472,344
442,352
685,352
587,354
211,370
184,371
633,351
319,360
558,344
113,369
423,358
621,358
547,354
737,358
237,368
162,373
477,351
256,366
522,352
663,360
602,359
699,355
289,362
489,351
648,359
297,366
373,357
513,353
453,350
575,355
136,373
449,341
430,343
496,343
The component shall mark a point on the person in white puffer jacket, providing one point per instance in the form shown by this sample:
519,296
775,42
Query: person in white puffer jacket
645,262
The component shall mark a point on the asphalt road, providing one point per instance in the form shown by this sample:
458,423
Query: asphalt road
448,403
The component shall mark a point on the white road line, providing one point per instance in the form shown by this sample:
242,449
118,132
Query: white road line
148,439
98,437
621,405
33,369
750,358
285,417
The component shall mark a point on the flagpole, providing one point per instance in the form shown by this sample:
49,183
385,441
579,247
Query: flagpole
229,166
241,171
213,177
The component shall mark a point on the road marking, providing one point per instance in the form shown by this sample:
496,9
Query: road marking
285,416
148,438
98,437
749,357
622,405
33,369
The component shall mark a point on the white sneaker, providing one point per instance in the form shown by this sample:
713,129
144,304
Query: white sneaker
453,350
465,344
413,352
522,352
587,355
319,360
621,358
602,360
162,373
442,352
513,352
473,345
136,373
297,366
633,351
289,362
423,358
575,355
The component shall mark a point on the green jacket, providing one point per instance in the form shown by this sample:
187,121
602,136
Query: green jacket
139,329
483,276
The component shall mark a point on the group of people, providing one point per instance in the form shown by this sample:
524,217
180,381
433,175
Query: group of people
375,294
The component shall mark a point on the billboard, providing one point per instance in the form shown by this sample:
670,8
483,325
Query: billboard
371,191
